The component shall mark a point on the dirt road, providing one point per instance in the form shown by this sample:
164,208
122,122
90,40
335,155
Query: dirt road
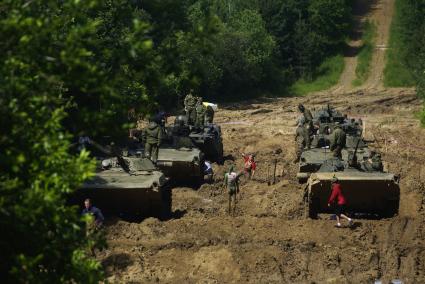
379,12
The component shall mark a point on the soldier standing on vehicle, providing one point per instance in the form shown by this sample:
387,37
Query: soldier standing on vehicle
209,114
341,202
231,182
153,136
200,115
301,138
338,140
308,122
189,107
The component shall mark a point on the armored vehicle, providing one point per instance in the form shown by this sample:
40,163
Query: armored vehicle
185,148
182,164
312,159
129,185
373,192
207,139
324,122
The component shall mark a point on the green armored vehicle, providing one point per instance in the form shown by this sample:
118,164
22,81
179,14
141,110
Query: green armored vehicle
324,121
129,185
184,150
375,192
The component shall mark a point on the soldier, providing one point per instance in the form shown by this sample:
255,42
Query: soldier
308,120
153,136
200,115
231,182
373,163
209,114
189,107
338,139
301,138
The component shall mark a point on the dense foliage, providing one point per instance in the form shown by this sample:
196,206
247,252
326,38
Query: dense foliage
87,67
58,57
408,31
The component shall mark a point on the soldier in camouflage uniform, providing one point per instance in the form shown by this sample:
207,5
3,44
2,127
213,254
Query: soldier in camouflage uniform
231,182
153,136
373,163
338,140
308,117
190,108
301,138
209,115
200,114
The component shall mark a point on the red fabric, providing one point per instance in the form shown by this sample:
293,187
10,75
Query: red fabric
337,194
249,164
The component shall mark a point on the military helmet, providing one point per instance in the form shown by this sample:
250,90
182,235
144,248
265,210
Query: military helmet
301,107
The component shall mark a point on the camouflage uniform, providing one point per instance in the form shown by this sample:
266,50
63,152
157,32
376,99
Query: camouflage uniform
308,123
374,163
301,138
189,106
209,114
153,136
338,139
200,114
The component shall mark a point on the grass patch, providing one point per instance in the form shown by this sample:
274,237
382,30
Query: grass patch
327,76
364,57
396,73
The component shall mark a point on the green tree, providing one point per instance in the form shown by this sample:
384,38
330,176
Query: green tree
60,60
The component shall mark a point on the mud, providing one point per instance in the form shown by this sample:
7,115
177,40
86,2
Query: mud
269,240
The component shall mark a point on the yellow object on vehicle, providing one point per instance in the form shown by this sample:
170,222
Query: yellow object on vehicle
214,106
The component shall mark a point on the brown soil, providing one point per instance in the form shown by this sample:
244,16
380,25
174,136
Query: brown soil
269,240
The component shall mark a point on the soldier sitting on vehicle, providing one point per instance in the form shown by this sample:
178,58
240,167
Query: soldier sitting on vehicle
373,163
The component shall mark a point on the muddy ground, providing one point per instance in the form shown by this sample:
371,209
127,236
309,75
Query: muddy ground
269,240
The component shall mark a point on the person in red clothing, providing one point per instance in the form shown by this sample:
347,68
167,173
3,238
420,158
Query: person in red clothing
341,202
249,165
